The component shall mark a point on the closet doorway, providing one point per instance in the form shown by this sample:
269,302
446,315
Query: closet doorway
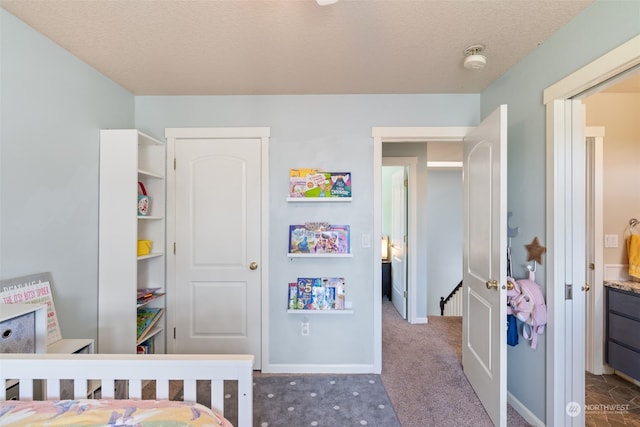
399,227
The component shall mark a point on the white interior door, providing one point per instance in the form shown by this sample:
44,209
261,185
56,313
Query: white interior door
217,295
485,245
399,241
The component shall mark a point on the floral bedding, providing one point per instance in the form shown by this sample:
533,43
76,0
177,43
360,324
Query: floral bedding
99,413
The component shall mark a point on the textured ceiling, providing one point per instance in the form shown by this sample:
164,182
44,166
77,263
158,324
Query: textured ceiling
231,47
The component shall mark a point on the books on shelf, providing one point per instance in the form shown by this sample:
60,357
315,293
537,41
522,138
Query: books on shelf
146,347
147,318
319,238
148,294
317,293
314,183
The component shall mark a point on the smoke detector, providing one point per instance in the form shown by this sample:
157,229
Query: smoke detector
474,60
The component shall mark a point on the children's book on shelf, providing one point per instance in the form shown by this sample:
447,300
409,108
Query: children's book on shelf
146,347
314,183
319,238
146,319
317,293
147,294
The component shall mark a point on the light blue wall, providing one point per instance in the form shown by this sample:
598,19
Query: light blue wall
331,132
600,28
52,108
445,235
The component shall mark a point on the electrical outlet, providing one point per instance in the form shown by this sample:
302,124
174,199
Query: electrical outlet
304,329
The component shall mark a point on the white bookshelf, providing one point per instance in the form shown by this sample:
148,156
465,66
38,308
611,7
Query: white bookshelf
126,157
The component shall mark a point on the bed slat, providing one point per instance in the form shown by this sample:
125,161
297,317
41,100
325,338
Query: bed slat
107,388
53,388
189,390
135,389
217,395
80,389
162,389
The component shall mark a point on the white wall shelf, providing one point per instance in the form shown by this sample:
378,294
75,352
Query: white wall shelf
320,311
318,199
302,255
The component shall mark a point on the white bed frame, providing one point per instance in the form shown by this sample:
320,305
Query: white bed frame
137,369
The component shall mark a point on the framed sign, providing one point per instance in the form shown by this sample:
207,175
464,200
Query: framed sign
33,289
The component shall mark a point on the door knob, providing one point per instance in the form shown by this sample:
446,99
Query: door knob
586,287
492,284
253,265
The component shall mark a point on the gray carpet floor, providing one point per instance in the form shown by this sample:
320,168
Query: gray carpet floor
422,373
422,385
322,400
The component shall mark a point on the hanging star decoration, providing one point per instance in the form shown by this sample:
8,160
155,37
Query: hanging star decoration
535,250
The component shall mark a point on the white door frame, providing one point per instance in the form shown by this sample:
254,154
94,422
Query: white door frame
261,133
412,226
399,135
560,149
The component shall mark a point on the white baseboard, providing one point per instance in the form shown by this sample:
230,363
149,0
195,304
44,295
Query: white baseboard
420,320
318,369
523,411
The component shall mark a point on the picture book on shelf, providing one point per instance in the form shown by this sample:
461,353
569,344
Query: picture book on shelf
319,238
146,319
317,293
148,294
314,183
145,347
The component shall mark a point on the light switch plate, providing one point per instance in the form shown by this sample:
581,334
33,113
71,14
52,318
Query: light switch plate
610,240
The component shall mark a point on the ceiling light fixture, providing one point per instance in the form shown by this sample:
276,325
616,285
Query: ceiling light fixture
474,60
326,2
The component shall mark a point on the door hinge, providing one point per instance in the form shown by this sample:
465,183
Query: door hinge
406,183
174,333
568,291
405,294
174,248
174,163
592,266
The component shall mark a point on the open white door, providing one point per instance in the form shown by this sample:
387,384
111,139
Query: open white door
484,345
399,241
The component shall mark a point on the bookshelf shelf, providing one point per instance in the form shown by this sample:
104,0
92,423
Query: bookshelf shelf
151,255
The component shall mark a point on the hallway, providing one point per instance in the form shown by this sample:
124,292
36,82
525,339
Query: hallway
422,373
